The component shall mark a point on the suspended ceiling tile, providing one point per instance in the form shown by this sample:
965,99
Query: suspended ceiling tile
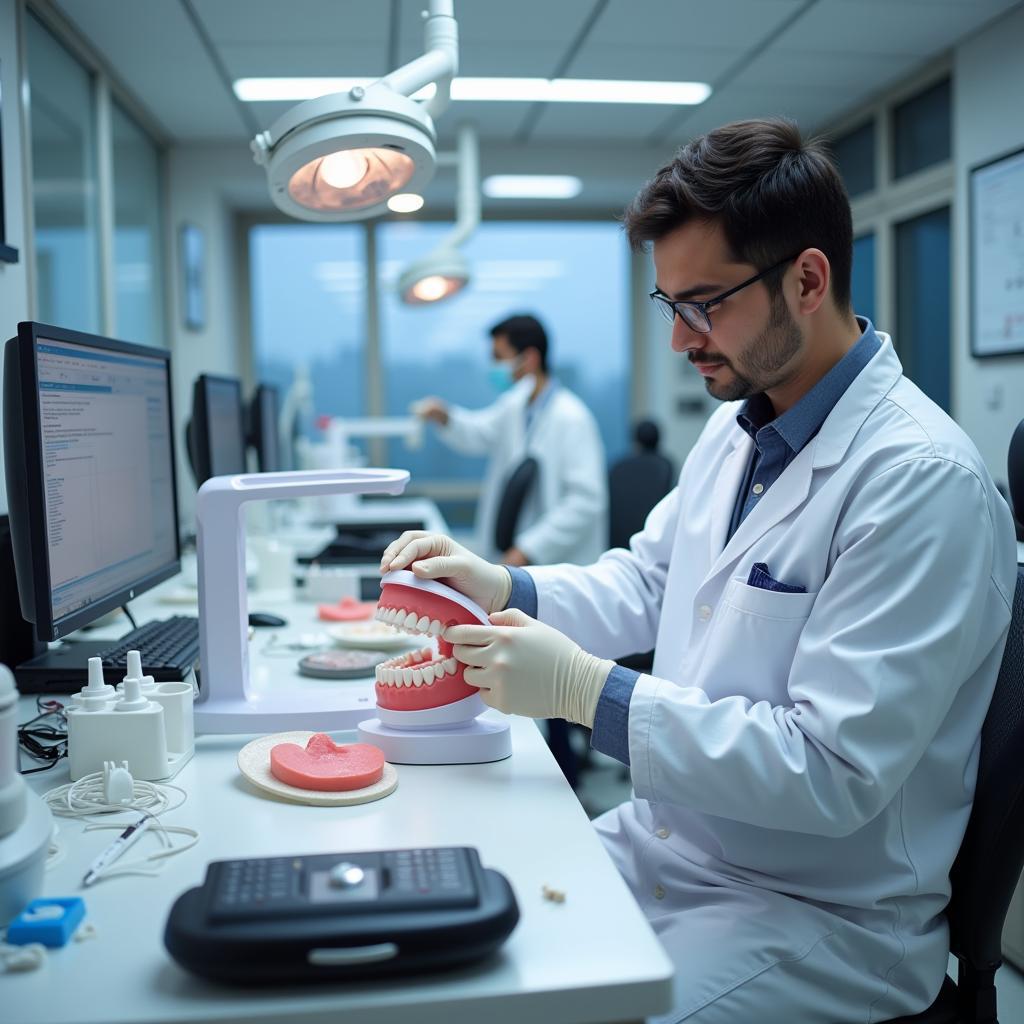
888,27
652,62
155,52
298,60
611,123
844,68
690,24
349,22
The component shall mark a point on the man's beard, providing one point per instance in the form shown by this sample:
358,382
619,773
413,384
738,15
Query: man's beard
758,367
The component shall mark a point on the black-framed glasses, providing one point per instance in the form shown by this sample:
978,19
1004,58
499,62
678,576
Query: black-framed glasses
695,314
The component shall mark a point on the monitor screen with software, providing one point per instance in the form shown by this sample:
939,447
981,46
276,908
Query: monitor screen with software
90,473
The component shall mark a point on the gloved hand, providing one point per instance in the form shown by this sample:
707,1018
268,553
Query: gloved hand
524,667
433,556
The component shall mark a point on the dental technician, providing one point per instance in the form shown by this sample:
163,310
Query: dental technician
828,590
564,516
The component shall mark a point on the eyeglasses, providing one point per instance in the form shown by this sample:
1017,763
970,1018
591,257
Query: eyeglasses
695,314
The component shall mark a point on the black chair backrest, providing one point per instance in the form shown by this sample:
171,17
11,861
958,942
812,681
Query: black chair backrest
1015,471
988,865
518,486
635,485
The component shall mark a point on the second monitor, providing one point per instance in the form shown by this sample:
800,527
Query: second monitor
215,435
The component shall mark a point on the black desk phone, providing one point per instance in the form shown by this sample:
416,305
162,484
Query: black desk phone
346,915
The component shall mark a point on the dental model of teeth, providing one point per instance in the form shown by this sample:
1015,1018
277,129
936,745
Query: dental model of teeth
425,678
427,712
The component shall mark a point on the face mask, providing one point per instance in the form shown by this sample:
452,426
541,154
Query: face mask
500,374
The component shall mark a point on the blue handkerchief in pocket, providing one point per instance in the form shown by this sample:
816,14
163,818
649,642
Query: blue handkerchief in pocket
761,578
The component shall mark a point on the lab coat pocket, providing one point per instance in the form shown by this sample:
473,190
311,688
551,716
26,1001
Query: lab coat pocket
750,650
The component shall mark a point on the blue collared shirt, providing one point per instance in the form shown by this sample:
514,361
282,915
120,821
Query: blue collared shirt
777,441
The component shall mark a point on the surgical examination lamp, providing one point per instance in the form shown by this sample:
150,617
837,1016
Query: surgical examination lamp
340,157
444,271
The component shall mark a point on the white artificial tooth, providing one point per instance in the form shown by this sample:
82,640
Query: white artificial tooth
435,627
423,624
389,676
438,670
394,615
449,665
377,673
407,676
426,654
411,620
417,677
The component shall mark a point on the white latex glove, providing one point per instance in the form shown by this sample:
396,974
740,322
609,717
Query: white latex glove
524,667
433,556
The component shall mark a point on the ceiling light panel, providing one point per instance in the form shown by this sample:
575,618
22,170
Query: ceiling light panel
532,186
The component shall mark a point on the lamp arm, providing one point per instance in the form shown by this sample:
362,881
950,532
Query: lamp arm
439,64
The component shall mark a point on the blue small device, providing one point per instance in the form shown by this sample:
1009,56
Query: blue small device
51,922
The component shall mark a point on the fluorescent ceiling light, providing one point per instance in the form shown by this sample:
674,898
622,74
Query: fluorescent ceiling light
405,202
492,90
532,186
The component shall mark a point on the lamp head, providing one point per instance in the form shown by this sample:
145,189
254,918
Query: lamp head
441,274
340,157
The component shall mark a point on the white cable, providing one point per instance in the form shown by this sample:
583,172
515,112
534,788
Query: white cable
22,958
138,867
86,797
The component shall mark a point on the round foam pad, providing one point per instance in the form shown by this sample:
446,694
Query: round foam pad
254,764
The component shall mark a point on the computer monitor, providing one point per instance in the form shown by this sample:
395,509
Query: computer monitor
216,433
89,456
264,430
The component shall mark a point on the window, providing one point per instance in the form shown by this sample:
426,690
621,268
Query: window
137,240
862,278
308,293
854,153
574,276
922,130
64,184
922,302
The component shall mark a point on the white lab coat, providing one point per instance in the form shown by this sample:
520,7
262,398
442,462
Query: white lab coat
565,517
803,765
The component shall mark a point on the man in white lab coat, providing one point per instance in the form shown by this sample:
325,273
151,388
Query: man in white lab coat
564,517
828,590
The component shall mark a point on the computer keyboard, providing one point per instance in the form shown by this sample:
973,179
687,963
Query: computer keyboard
169,648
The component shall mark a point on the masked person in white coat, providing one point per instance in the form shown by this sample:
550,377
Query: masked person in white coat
828,591
564,517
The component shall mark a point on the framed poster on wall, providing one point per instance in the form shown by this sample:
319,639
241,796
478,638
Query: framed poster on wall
8,254
997,256
193,299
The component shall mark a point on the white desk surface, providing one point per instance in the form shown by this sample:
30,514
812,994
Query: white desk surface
591,958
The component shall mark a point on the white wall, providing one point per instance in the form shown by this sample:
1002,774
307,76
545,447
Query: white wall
205,186
14,295
988,97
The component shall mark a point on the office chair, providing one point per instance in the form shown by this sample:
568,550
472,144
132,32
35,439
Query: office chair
988,865
636,483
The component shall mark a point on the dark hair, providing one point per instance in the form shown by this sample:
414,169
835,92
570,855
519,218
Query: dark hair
524,331
772,193
647,435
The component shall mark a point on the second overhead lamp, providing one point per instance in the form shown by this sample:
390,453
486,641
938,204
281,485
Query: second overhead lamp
444,271
340,157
